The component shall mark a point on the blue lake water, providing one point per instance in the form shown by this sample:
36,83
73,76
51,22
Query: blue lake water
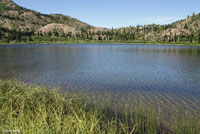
167,76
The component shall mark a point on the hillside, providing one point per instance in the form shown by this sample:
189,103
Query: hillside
14,17
187,30
21,25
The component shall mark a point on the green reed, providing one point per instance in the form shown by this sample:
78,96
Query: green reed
37,110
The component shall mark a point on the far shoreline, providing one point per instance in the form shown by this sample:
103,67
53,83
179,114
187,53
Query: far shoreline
98,42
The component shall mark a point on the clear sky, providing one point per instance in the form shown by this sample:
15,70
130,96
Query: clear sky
117,13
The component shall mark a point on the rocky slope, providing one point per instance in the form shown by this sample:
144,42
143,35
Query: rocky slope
14,17
17,22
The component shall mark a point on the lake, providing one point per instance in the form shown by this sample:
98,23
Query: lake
161,75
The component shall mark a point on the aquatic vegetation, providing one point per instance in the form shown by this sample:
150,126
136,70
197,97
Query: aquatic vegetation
34,109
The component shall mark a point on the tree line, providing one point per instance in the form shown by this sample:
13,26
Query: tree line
139,33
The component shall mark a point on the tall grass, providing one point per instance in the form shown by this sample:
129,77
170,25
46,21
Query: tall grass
37,110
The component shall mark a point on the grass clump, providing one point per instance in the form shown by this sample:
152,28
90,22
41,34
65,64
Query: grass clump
37,110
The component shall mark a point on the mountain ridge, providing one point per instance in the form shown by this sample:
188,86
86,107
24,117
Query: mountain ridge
15,12
18,21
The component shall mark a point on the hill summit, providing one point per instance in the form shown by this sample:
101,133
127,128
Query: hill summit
18,24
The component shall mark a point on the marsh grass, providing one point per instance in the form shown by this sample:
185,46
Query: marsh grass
38,110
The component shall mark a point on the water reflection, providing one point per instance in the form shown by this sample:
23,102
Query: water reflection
161,75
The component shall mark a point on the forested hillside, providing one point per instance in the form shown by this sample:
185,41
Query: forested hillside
21,25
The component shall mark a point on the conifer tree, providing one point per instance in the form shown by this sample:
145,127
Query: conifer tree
49,33
19,36
199,37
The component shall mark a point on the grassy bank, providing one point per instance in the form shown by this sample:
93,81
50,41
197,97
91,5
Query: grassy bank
62,40
37,110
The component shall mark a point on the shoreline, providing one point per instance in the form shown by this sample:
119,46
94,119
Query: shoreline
38,109
98,42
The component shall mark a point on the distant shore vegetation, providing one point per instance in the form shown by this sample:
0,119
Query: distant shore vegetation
109,37
19,25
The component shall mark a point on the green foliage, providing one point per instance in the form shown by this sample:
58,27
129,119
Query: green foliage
199,37
33,109
25,27
3,7
186,26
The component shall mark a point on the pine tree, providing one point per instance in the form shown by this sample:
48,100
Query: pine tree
41,34
186,26
100,38
191,37
19,36
175,37
56,34
49,33
70,34
199,37
62,34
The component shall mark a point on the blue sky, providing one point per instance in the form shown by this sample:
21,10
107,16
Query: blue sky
117,13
